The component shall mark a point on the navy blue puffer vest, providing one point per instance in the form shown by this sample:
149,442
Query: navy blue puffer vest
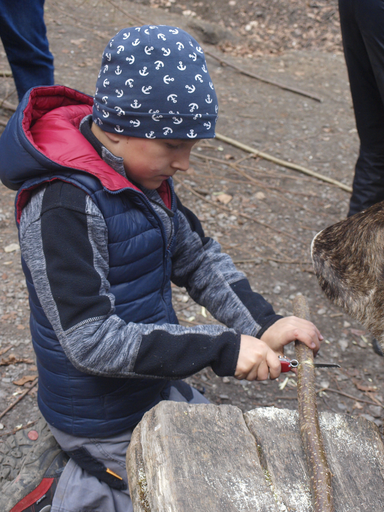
82,404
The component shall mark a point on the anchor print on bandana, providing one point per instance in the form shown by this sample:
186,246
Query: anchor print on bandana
148,72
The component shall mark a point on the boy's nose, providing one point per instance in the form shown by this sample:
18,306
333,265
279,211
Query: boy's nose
181,163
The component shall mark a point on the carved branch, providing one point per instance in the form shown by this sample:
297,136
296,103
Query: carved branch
319,471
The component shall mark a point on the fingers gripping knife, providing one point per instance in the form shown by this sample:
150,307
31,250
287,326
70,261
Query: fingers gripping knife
288,364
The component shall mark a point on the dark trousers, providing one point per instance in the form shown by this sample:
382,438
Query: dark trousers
362,27
24,36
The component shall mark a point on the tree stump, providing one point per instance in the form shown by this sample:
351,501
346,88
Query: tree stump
208,458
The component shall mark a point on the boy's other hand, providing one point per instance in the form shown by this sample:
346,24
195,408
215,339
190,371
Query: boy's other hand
289,329
256,360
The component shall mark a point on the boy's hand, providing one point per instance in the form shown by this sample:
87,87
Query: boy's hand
256,360
290,329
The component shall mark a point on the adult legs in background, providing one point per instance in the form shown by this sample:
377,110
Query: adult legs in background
362,23
24,36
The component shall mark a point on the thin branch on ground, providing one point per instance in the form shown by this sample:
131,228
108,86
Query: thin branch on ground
24,393
283,163
265,80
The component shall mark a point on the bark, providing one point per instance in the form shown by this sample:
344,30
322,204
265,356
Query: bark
309,421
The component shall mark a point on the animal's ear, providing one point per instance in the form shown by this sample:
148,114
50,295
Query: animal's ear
348,259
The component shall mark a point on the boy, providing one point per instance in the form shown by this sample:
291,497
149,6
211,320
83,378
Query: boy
102,236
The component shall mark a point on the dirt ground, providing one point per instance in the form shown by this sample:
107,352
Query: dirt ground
264,215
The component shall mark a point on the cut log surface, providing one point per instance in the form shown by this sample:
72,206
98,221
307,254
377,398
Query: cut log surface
199,458
209,458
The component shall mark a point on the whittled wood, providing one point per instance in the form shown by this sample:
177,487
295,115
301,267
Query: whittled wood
319,471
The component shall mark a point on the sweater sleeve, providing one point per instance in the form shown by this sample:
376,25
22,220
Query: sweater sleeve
64,242
212,280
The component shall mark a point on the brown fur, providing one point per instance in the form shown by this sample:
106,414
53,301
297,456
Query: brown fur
348,259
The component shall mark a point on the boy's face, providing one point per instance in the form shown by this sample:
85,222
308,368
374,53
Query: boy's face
149,162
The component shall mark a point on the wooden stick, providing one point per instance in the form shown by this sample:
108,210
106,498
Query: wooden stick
19,398
309,420
265,80
283,163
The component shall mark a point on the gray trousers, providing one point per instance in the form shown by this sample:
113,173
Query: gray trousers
79,491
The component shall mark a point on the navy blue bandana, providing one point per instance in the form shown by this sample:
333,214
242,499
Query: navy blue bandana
154,83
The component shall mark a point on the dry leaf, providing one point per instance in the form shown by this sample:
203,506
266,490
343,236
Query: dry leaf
23,380
224,198
357,405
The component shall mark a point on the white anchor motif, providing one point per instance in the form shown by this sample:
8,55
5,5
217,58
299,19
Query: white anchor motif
105,68
118,129
135,104
144,71
190,88
148,49
197,116
173,31
118,70
207,125
135,123
208,99
193,107
211,86
152,26
129,82
159,64
106,82
150,135
120,111
166,51
198,49
168,79
146,31
167,130
216,108
146,89
136,42
111,43
193,56
138,29
119,92
161,36
179,45
172,97
204,68
191,134
120,49
99,121
108,56
105,114
130,59
190,43
126,35
181,66
177,120
104,99
156,117
199,78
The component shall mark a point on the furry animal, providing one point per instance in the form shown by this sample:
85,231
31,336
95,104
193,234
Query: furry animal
348,258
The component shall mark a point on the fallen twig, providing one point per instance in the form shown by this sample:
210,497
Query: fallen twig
350,396
23,394
283,163
265,80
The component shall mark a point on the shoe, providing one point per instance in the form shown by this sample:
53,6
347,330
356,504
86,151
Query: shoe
377,347
34,486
